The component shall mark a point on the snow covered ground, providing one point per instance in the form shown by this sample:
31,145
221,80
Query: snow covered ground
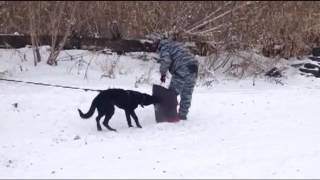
235,129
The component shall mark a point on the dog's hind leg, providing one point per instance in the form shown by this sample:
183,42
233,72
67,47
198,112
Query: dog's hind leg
106,123
128,118
133,114
98,121
108,115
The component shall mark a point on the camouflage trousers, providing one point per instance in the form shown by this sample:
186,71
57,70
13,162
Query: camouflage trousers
182,82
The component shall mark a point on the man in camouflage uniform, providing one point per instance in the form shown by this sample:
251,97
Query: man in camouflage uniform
183,66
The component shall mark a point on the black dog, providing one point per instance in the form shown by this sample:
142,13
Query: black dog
124,99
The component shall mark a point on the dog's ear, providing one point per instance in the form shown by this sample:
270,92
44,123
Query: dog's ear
142,105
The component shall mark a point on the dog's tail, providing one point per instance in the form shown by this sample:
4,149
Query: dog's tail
90,112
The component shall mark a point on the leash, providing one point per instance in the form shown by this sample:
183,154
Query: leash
49,85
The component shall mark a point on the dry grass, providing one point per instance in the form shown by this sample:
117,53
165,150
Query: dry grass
276,28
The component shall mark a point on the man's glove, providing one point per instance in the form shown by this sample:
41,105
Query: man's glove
163,78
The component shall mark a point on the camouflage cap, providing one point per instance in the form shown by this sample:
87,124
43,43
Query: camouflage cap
155,37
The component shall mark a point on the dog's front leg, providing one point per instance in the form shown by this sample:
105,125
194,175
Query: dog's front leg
128,118
133,114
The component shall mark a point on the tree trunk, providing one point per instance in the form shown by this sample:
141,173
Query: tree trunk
33,32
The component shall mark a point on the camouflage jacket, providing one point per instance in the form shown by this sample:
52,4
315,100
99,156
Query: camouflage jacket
174,55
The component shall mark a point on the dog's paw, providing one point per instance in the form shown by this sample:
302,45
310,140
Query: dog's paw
139,126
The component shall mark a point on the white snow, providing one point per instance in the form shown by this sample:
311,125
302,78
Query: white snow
235,129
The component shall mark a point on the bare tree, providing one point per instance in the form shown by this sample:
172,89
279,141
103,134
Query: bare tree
34,16
60,22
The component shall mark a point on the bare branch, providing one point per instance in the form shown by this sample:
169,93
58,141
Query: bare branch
219,16
214,28
208,17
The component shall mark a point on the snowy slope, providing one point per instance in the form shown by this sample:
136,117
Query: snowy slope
235,130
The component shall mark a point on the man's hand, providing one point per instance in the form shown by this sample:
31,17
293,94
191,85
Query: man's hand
163,78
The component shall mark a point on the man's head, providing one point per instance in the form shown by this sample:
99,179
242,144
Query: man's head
155,36
155,39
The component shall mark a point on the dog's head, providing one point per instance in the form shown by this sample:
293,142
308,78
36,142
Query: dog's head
146,100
